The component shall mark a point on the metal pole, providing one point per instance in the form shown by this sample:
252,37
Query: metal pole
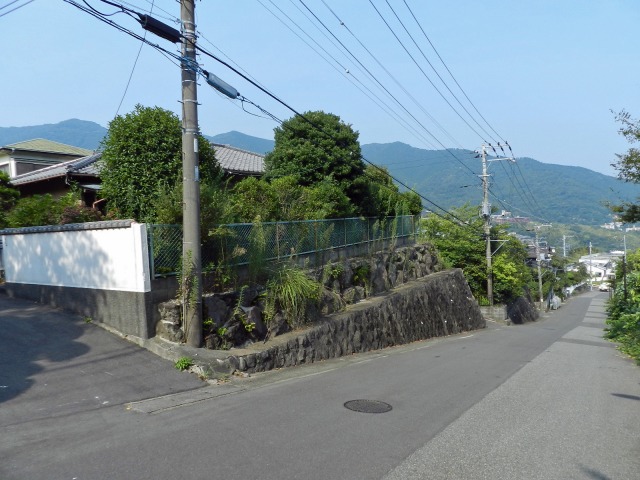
191,251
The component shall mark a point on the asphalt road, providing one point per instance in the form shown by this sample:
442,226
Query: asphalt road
549,399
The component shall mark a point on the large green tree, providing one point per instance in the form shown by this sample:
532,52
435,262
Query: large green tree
628,164
142,160
316,147
8,197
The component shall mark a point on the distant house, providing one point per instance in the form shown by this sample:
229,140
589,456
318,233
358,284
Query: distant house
84,173
24,157
56,179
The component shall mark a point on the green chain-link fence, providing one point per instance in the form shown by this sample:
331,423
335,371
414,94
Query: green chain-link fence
234,244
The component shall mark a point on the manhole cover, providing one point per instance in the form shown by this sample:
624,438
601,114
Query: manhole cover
368,406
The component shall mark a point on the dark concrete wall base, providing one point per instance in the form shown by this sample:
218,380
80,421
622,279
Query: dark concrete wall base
130,313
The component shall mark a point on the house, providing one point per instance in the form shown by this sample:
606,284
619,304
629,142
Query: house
24,157
56,179
84,172
239,163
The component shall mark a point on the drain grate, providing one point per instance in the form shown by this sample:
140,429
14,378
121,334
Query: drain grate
368,406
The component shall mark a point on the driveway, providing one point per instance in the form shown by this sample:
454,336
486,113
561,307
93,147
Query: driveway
54,363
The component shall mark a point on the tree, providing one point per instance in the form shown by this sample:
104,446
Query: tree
8,197
628,165
385,197
142,158
463,246
318,146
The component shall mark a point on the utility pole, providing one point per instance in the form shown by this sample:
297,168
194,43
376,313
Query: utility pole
191,252
590,269
564,244
624,267
486,213
538,260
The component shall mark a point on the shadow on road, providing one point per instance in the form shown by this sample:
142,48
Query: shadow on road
595,474
628,397
32,335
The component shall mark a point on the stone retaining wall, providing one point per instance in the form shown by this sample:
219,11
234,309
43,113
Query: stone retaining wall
437,305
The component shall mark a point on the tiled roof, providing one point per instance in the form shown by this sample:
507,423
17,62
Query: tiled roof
236,160
231,159
88,165
48,146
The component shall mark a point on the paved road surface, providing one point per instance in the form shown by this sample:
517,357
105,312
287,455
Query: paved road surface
545,400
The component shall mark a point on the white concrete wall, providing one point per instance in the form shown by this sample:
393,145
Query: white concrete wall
104,259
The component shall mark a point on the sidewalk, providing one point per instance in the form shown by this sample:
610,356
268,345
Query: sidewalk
573,412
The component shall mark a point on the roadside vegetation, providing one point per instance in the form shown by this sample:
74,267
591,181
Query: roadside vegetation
624,308
460,242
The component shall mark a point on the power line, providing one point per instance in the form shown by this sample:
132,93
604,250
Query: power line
14,9
447,68
386,70
126,88
378,81
345,71
97,15
420,68
320,129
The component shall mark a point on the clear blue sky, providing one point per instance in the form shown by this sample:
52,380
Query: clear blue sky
544,73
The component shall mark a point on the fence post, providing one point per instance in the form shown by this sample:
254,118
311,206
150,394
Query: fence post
151,256
277,241
344,227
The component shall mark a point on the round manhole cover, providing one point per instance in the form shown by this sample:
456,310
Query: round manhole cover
368,406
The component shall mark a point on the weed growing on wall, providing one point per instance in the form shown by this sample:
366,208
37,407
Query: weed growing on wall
291,291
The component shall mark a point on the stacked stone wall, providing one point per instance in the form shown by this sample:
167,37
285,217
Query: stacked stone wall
436,305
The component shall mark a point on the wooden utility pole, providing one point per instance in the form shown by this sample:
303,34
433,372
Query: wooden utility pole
191,252
486,215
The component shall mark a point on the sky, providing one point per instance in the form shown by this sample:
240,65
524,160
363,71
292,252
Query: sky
544,76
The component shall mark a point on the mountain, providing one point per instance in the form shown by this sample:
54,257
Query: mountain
541,191
243,141
449,178
79,133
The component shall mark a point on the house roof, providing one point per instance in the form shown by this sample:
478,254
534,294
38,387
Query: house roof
231,159
236,160
88,165
47,146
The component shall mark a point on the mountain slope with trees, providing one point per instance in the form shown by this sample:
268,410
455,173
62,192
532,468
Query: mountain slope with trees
542,191
561,194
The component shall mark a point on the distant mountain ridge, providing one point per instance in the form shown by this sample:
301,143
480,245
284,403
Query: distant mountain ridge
449,178
243,141
79,133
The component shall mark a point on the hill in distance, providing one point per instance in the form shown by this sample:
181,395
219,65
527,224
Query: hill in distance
449,178
529,188
243,141
79,133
